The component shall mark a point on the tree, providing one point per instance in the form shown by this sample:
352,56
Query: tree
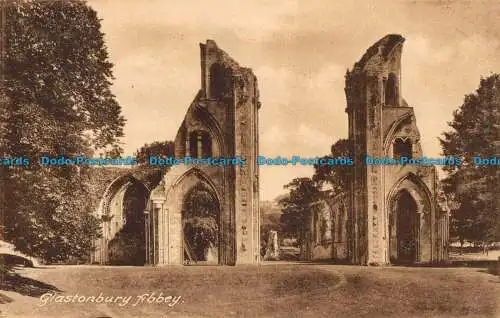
463,223
201,221
157,148
475,132
58,101
335,176
127,246
298,206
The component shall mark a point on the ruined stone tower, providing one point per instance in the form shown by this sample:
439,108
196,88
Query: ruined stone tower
393,212
222,121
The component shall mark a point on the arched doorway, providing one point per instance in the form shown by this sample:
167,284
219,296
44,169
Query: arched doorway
127,246
201,226
404,227
122,222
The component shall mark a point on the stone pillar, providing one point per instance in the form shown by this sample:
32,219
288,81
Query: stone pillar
106,219
447,231
146,235
199,145
376,249
161,226
420,217
187,144
272,249
166,234
175,235
154,216
158,239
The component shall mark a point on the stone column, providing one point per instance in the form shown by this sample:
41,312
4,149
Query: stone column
146,235
153,214
161,243
420,216
166,235
175,234
158,245
187,144
199,145
272,249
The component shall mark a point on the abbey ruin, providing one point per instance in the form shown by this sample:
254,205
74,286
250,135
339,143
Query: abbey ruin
222,121
389,214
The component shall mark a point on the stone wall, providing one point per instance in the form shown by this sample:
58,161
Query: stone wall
328,234
378,115
226,110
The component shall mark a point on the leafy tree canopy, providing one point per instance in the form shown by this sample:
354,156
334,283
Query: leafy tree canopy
157,148
201,220
475,131
57,101
298,206
336,177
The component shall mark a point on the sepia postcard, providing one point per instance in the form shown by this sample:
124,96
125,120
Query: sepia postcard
250,158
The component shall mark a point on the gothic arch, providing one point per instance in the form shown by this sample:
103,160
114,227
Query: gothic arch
389,139
166,217
201,243
220,80
114,218
212,125
201,144
404,228
392,90
411,188
117,185
199,174
417,183
198,117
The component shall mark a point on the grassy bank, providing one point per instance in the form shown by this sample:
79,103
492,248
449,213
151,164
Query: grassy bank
261,291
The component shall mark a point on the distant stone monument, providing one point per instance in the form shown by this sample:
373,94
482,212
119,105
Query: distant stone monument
272,249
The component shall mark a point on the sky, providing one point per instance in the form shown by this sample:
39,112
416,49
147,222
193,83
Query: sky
299,51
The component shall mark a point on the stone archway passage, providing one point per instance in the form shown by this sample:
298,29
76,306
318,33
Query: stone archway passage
404,229
121,213
127,246
201,227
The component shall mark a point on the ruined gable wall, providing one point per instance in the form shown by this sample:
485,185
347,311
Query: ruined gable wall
366,99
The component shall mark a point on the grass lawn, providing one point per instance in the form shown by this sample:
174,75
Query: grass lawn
492,255
273,290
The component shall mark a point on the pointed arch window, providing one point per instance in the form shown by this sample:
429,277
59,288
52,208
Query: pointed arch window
392,90
206,144
220,80
200,144
402,148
